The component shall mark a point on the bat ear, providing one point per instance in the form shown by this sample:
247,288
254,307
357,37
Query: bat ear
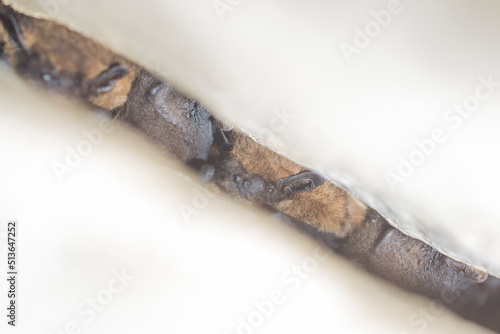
158,93
304,181
222,133
11,24
106,81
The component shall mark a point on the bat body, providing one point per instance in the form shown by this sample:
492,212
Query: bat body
178,125
407,262
414,265
49,54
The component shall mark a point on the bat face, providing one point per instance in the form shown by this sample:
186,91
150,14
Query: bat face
177,124
62,60
235,180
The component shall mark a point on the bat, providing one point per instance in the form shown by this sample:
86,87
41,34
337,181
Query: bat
257,174
417,267
63,60
178,125
408,262
413,265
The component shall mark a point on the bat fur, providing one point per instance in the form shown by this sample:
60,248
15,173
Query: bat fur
178,125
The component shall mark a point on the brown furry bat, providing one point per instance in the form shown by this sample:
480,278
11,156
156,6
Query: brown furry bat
50,54
303,195
418,267
414,265
409,263
178,125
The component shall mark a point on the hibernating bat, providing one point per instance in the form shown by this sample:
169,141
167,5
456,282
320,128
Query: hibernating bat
63,60
178,125
286,186
415,265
